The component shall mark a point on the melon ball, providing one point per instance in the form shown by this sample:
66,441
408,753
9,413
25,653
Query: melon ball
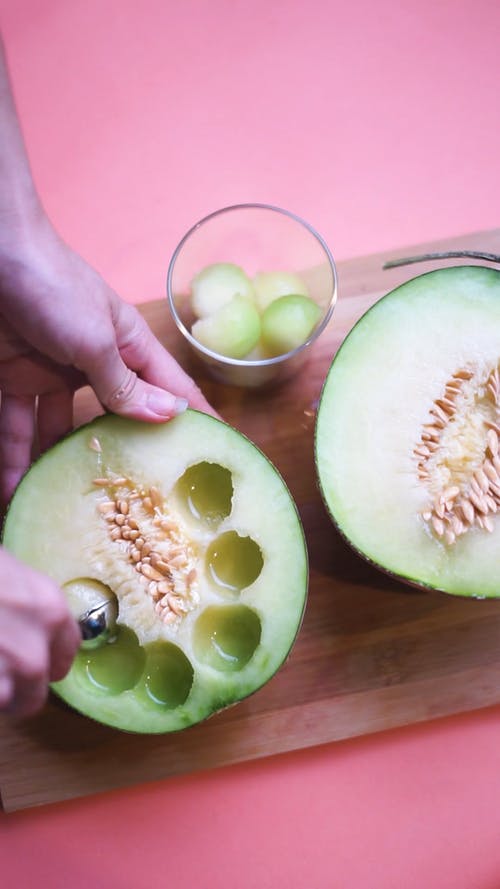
232,331
288,322
215,286
269,286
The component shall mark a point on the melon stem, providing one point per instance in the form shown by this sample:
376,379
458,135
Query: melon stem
449,254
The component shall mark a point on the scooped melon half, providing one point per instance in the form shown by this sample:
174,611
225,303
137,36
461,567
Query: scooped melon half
407,433
194,532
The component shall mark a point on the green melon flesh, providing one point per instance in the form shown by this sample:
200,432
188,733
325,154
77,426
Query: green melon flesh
287,323
232,330
436,336
228,308
269,286
217,284
214,508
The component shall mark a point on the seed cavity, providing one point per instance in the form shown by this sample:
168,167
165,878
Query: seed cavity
155,544
457,455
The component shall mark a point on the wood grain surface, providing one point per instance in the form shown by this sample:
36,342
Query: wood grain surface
372,654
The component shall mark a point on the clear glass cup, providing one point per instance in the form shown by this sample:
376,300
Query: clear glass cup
259,238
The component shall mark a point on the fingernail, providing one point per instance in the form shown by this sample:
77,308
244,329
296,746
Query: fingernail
181,405
164,404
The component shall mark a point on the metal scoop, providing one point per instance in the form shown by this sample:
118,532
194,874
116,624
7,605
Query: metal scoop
98,624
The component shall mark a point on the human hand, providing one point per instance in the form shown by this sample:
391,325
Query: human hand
38,636
62,326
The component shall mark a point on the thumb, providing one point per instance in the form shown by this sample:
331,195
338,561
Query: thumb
119,389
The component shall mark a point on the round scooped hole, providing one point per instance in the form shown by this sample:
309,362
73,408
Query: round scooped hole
226,636
115,666
233,562
168,675
205,492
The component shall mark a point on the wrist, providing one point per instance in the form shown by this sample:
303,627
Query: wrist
26,240
22,224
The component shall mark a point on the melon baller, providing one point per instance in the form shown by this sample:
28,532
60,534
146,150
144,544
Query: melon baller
98,624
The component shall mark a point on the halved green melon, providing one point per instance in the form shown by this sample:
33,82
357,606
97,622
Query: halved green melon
194,532
407,432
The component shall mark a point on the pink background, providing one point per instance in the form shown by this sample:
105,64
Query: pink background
380,124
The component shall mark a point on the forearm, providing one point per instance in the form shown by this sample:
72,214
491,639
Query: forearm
20,207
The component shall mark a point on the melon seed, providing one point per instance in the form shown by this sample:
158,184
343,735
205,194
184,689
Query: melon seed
470,487
164,565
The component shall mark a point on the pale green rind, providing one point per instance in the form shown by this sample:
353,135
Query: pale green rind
54,506
374,402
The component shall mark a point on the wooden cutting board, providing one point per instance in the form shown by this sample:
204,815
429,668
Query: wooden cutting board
372,654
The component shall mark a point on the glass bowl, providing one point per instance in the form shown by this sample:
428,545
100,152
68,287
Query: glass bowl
258,238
